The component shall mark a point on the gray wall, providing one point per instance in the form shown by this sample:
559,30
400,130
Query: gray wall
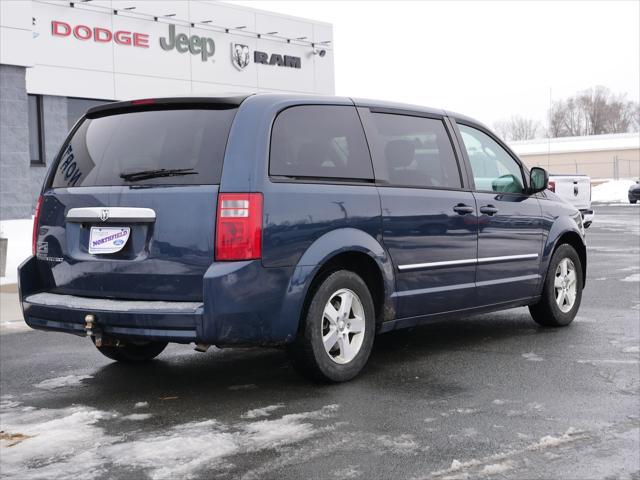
54,111
15,189
20,182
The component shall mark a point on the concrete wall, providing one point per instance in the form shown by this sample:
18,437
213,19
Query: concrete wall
600,164
20,182
15,189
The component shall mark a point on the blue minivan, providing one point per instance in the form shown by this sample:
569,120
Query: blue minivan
312,223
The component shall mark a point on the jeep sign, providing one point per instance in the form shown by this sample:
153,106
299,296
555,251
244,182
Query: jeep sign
194,44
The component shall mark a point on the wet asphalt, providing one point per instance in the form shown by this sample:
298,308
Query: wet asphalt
489,396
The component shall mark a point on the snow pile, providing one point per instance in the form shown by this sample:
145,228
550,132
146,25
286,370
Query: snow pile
19,233
612,191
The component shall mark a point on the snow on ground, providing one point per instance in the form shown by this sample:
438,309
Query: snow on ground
347,472
137,416
262,412
632,278
612,191
19,233
59,382
502,462
72,443
533,357
496,468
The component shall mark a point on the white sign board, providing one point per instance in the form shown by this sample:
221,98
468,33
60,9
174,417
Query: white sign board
95,53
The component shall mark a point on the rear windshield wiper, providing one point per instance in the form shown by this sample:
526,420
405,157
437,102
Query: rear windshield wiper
159,172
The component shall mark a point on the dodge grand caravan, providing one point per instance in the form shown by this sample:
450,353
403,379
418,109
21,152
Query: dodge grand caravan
312,223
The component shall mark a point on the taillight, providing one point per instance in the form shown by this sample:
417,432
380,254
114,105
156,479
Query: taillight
552,185
36,220
239,226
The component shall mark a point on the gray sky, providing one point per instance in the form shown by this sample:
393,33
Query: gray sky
489,60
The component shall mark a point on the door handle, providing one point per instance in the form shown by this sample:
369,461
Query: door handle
463,209
489,210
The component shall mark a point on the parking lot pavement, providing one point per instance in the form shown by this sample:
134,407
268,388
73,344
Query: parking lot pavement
487,396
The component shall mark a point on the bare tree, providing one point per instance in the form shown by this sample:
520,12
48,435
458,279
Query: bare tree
517,128
501,127
594,111
634,109
557,118
594,104
575,119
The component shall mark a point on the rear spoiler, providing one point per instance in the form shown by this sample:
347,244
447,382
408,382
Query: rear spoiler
170,103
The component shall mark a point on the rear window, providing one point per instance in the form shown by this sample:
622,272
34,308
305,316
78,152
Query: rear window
321,141
151,147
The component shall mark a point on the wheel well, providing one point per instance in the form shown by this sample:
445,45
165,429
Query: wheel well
573,239
361,264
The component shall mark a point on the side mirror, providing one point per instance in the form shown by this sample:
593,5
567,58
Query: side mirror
538,179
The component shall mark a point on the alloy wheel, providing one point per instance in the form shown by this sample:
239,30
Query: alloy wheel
343,326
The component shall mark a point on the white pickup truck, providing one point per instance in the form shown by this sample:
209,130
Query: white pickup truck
576,190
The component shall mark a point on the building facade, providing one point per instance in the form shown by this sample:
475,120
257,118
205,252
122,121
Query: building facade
599,156
59,58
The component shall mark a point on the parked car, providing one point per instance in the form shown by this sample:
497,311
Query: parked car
634,192
576,190
312,223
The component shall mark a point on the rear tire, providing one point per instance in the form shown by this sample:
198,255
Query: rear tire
633,201
562,290
336,331
132,353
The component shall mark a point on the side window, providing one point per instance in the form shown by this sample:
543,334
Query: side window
325,141
493,168
415,151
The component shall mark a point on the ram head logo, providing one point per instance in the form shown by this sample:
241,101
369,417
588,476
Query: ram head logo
239,55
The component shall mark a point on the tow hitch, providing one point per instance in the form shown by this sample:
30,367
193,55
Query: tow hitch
91,329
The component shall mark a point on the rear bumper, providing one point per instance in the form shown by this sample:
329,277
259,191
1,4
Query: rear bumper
243,303
162,321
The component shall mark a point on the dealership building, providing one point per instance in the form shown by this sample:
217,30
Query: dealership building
57,59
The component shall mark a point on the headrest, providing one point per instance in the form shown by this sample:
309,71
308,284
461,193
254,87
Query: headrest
313,153
400,153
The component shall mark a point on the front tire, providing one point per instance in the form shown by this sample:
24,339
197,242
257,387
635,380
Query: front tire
562,290
132,353
337,329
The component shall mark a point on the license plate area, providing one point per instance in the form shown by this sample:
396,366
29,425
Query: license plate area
106,240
